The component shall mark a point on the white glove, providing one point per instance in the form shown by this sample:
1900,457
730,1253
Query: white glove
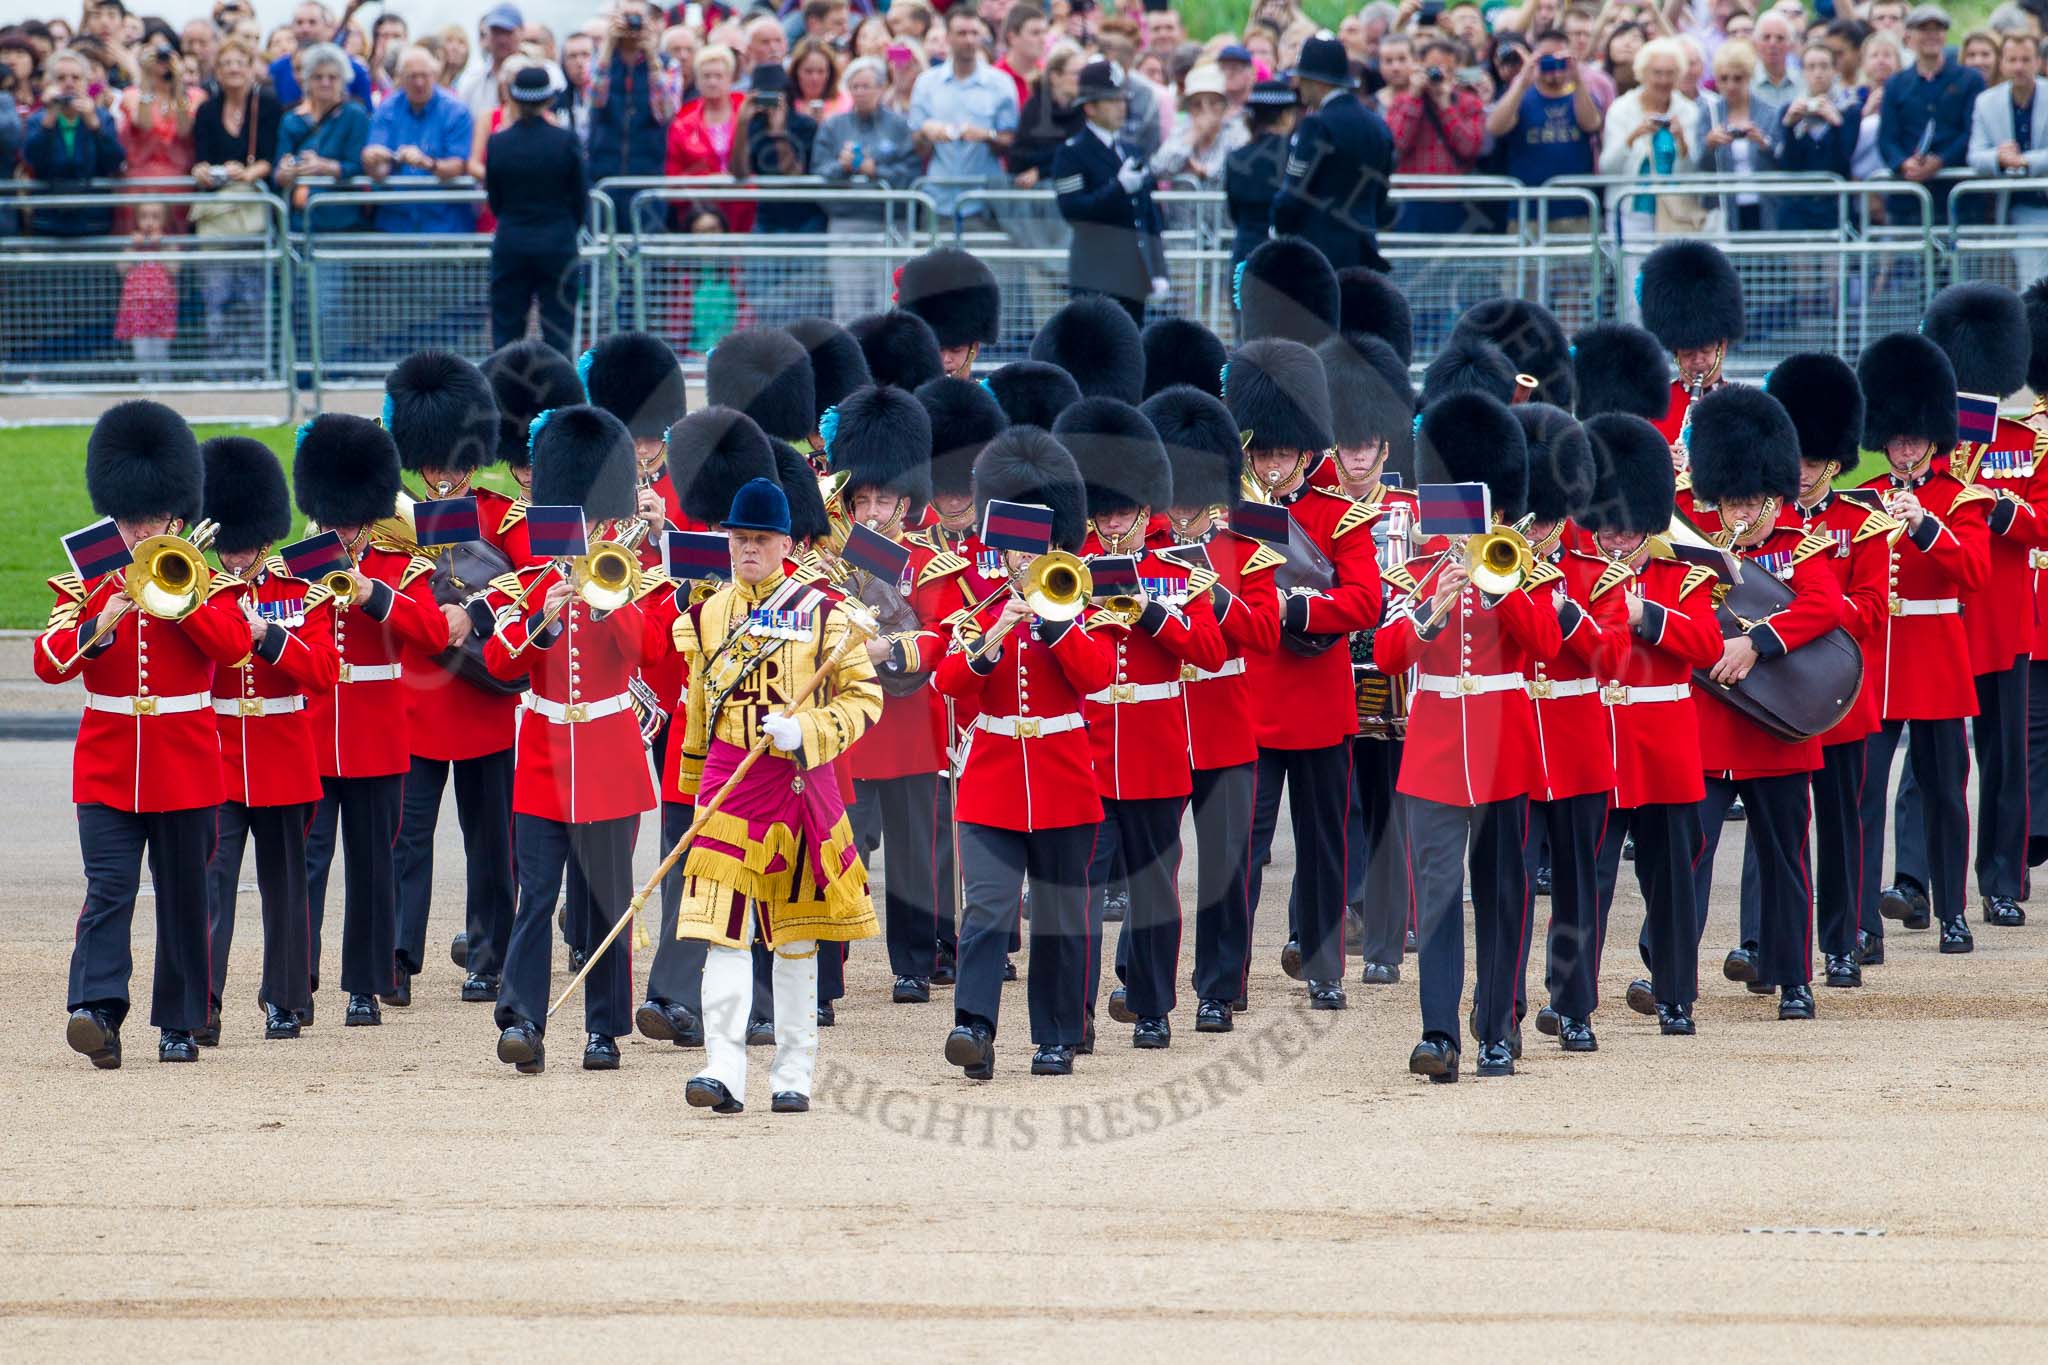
1131,176
784,732
1161,287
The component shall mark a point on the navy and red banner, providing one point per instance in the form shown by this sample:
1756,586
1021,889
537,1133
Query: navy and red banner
447,521
1266,521
97,550
872,552
317,556
1113,574
557,532
1025,527
693,555
1976,418
1453,509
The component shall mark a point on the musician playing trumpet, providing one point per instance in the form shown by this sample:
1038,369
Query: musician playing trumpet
1691,302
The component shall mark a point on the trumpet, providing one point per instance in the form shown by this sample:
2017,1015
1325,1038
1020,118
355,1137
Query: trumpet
1497,562
837,517
342,584
1055,586
1123,608
603,578
169,579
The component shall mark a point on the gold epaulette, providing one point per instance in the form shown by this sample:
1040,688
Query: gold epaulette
1356,515
70,590
1876,524
317,596
1696,577
1263,558
938,566
514,514
509,583
221,581
69,584
1543,576
1682,483
414,567
1201,580
1400,577
1812,543
651,580
1102,616
1612,577
277,568
963,624
1973,493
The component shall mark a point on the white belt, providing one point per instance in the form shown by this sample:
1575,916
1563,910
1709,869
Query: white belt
1231,668
1119,694
1028,727
1469,684
1925,606
258,706
576,713
1551,689
1615,694
148,706
355,673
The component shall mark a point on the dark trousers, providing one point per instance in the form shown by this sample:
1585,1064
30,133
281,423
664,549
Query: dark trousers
942,871
1387,892
1846,866
1939,759
1776,810
1223,917
1439,835
1140,844
677,975
908,810
602,850
2037,760
1999,737
995,862
518,281
483,806
1318,802
1571,830
363,813
280,834
1668,843
113,842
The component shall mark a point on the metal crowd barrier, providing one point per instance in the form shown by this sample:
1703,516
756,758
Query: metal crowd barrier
1986,244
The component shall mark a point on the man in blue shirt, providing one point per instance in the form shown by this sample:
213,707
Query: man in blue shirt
421,132
1924,123
314,23
964,113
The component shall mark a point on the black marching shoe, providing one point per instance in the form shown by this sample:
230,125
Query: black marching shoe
400,994
280,1023
458,950
972,1048
1053,1059
1408,941
1009,969
1116,905
760,1033
2004,911
1905,901
667,1022
1740,965
362,1012
1213,1016
1086,1047
1436,1059
789,1102
1120,1006
1576,1035
1152,1032
1354,931
1380,974
577,957
945,969
1548,1022
600,1053
1543,880
1628,848
1843,971
177,1045
1642,998
1241,1005
1675,1020
828,1014
704,1093
479,989
911,990
1870,949
1955,936
1326,995
1795,1002
1496,1059
1513,1040
208,1033
521,1048
1290,959
1736,810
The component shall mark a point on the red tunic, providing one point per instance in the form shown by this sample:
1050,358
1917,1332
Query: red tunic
1860,560
452,719
910,736
147,741
980,582
1571,723
1308,702
266,728
1999,615
1651,719
1217,703
360,728
1919,659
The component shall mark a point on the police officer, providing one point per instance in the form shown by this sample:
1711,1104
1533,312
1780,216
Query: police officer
1105,194
1340,162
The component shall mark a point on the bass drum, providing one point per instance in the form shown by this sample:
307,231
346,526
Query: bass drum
1800,694
460,571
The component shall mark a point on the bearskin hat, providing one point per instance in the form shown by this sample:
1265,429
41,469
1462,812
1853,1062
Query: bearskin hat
1369,302
807,519
636,378
1118,452
711,453
881,438
1533,341
1093,339
245,494
1371,398
899,347
1560,461
440,413
837,365
954,291
1634,488
1287,288
1909,389
1469,363
1819,392
1182,351
765,373
1743,444
1690,295
527,378
1033,393
583,456
1983,327
1026,464
1276,389
964,417
1203,456
1473,438
1621,368
142,461
2035,300
346,470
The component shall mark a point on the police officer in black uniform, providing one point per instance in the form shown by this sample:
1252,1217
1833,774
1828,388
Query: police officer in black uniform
1340,163
1105,194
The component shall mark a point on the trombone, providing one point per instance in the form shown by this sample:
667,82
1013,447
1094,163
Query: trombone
169,579
1497,562
1055,586
606,577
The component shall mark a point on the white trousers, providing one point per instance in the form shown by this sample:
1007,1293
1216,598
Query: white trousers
729,998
